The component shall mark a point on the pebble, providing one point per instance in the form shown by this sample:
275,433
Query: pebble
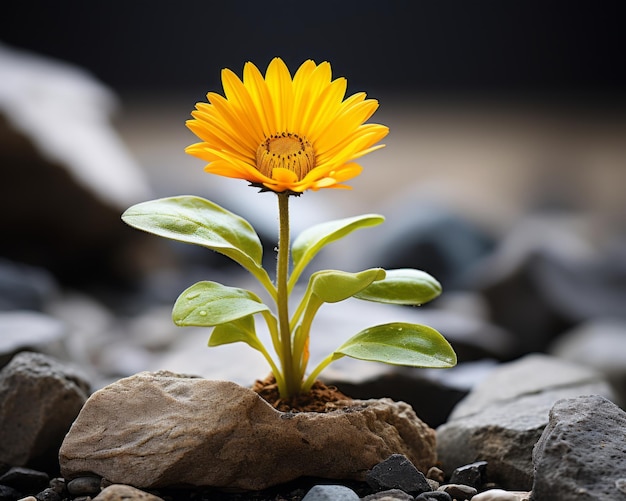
434,496
118,492
330,493
84,486
435,474
49,494
471,474
501,495
397,472
459,492
390,495
59,485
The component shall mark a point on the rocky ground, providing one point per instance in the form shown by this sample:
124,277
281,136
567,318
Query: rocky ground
535,311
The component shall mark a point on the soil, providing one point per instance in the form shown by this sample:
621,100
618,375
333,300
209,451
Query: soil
319,399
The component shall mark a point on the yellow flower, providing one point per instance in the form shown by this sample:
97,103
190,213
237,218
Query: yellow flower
284,134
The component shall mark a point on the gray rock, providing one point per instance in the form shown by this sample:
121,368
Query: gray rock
601,345
434,496
40,400
84,486
49,494
31,331
25,287
330,493
192,421
71,176
389,495
26,480
514,279
432,238
503,417
529,375
470,474
397,472
581,454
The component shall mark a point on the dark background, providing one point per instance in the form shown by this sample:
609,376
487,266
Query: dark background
561,51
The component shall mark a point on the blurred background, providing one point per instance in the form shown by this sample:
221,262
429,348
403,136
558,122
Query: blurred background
503,175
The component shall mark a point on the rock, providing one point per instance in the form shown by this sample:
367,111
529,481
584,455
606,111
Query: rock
434,496
125,493
470,474
71,176
601,345
389,495
84,486
48,494
513,279
433,238
58,484
501,495
25,480
31,331
435,474
580,454
40,400
432,393
193,421
330,493
459,492
25,287
587,287
9,493
503,417
397,472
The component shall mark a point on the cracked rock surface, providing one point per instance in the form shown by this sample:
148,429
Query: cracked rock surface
164,429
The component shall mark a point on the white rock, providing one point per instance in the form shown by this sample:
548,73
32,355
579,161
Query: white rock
501,495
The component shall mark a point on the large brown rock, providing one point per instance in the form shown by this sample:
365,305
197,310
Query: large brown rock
164,429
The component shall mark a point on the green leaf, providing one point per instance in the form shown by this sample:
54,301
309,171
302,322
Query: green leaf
206,304
198,221
401,344
240,330
404,286
313,239
332,286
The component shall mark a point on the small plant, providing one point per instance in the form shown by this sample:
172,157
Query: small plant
289,135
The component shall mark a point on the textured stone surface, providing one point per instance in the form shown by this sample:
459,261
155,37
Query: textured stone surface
118,492
600,344
40,399
397,472
163,429
582,452
331,493
503,417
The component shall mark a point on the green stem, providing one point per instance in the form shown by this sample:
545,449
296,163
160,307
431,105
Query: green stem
306,386
282,297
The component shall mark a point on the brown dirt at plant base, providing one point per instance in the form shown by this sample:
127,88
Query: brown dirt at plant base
316,400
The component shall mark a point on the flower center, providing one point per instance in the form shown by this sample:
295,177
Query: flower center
287,151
